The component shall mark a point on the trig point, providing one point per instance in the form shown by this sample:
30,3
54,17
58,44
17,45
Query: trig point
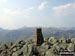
38,36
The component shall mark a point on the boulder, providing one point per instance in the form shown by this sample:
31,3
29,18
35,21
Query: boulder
49,53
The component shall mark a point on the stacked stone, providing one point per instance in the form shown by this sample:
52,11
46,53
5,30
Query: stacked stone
38,37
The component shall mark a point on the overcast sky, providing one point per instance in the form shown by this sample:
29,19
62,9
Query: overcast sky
33,13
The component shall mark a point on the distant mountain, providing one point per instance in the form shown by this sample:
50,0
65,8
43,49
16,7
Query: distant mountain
67,28
28,32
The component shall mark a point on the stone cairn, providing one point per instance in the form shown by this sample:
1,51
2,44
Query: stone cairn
38,37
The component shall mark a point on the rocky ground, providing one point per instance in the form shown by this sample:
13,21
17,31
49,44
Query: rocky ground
50,47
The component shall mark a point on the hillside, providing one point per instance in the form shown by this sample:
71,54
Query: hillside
50,47
28,33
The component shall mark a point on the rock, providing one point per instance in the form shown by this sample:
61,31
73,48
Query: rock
45,46
53,40
29,50
14,49
73,40
15,54
21,42
4,46
5,53
27,47
18,44
49,53
46,39
63,40
71,47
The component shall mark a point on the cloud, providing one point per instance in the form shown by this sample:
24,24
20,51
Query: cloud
31,8
6,19
64,9
64,15
11,12
42,5
12,19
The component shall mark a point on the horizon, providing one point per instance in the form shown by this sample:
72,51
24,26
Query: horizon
39,27
15,14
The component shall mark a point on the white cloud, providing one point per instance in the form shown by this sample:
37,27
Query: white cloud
42,5
6,22
64,15
12,19
11,12
62,6
31,8
64,9
6,19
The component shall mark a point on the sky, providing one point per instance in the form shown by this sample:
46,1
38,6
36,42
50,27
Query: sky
15,14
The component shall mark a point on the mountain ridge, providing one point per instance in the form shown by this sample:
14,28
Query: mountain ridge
28,33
